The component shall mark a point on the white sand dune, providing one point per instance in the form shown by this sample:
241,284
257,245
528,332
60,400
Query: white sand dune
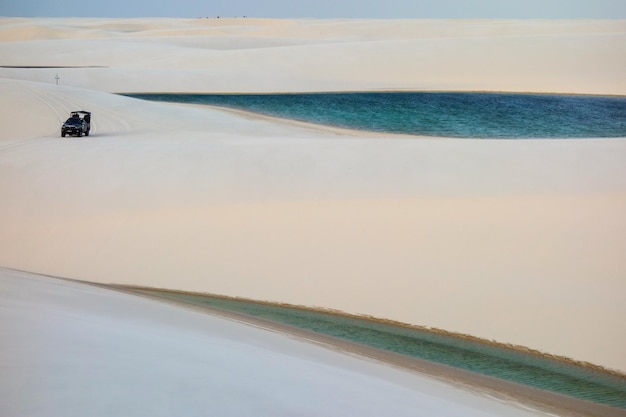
75,350
319,55
517,241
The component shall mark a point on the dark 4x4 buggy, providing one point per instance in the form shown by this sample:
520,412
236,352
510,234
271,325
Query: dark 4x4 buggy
77,125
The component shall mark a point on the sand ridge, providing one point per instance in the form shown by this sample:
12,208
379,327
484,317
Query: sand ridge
265,55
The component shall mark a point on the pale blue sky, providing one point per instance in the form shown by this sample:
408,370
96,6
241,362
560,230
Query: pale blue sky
318,8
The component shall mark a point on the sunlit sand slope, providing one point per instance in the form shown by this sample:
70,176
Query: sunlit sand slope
75,350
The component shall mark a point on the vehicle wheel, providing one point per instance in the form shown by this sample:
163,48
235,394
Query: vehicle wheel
87,133
62,133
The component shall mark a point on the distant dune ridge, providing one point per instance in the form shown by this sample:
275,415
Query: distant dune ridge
266,55
521,242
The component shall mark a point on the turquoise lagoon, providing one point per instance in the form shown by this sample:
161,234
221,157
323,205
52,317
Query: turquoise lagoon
443,114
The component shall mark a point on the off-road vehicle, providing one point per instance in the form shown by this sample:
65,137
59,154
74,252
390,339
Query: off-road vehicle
77,125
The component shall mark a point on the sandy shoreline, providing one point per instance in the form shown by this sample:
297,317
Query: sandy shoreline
314,127
522,349
540,93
